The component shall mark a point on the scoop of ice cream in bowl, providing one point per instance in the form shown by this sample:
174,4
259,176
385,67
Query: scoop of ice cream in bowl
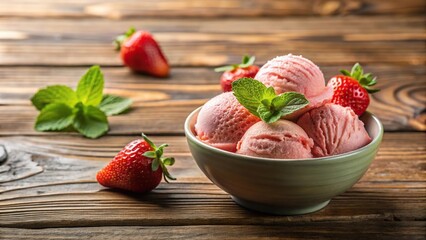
278,165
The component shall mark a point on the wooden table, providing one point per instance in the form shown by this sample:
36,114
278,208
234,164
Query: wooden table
48,188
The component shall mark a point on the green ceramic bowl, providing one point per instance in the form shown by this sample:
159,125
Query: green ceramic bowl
283,186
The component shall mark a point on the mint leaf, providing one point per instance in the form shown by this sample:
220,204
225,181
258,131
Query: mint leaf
90,87
55,116
90,121
289,102
54,94
113,105
270,114
250,93
264,113
263,102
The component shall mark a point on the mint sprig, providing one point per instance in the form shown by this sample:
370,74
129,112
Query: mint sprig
263,102
84,110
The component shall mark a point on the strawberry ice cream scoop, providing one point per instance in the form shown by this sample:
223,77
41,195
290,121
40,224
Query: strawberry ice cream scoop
282,139
222,122
334,129
292,73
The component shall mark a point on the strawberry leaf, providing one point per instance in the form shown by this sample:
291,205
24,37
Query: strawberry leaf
371,90
247,61
345,72
365,80
155,164
159,161
120,39
169,161
148,141
150,154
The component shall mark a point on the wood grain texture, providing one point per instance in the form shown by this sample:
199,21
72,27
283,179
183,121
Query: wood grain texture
290,230
400,105
205,9
65,193
213,42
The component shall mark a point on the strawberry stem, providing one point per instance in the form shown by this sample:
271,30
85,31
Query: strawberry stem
159,161
246,61
365,80
120,39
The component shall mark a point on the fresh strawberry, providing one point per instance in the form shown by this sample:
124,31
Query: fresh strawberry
141,53
352,88
237,71
139,167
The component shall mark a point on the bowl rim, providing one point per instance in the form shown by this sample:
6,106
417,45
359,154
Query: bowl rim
189,134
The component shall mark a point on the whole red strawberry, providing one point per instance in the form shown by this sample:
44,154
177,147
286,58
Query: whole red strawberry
352,88
139,167
237,71
141,53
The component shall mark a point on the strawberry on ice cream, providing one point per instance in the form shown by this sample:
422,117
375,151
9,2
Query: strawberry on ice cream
282,139
222,122
291,73
334,130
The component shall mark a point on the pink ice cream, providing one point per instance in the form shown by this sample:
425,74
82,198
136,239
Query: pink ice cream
334,129
222,122
292,73
281,139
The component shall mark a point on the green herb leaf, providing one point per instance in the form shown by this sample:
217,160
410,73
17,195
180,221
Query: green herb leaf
119,39
54,117
168,161
245,62
250,93
289,102
90,121
345,72
148,141
225,68
155,164
90,87
263,102
357,71
54,94
114,105
150,154
365,80
264,113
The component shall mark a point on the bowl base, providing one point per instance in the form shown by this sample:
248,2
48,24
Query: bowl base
277,210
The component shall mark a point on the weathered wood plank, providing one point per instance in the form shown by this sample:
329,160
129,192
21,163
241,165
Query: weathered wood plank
65,192
213,42
206,8
290,230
